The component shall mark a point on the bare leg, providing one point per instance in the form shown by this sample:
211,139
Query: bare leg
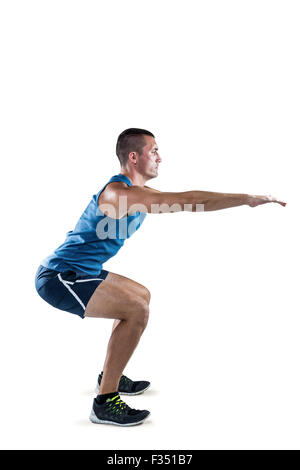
115,324
122,343
128,302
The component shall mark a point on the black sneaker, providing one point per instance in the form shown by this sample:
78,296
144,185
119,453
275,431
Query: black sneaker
127,386
115,411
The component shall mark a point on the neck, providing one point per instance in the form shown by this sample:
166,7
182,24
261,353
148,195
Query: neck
136,178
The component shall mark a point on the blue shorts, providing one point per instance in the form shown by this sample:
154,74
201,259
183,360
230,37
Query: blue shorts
69,290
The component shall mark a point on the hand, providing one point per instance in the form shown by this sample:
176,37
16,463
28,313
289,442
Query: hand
254,201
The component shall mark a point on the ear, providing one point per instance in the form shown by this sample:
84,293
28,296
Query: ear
132,157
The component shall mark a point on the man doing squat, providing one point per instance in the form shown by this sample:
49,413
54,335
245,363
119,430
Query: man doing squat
72,278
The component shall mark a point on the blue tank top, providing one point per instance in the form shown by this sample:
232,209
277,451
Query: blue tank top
95,238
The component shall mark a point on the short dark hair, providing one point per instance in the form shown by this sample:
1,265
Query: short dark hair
130,140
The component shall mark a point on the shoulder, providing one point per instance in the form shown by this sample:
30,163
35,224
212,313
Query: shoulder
112,190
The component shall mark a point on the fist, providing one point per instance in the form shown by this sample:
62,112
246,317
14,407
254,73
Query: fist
254,201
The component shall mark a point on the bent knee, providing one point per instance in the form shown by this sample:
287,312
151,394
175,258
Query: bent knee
141,316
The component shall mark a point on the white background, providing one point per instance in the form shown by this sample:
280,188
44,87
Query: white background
217,82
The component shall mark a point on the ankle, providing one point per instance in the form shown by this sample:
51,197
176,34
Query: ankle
107,389
108,383
102,397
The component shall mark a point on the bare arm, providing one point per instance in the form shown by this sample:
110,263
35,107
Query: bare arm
156,190
144,199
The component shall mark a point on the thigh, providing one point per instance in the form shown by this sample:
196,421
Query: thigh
116,297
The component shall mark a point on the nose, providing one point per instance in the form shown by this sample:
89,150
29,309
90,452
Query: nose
159,159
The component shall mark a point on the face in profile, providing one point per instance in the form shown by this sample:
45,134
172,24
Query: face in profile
149,159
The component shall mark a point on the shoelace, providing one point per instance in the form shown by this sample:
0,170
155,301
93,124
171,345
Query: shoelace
116,405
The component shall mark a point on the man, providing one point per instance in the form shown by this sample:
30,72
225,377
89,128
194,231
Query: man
73,279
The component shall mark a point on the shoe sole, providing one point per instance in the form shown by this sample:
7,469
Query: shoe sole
93,418
125,393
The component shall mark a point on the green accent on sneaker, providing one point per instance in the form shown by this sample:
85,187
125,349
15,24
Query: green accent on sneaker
116,406
111,399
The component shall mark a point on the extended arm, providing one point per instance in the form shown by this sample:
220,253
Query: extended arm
156,190
144,199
